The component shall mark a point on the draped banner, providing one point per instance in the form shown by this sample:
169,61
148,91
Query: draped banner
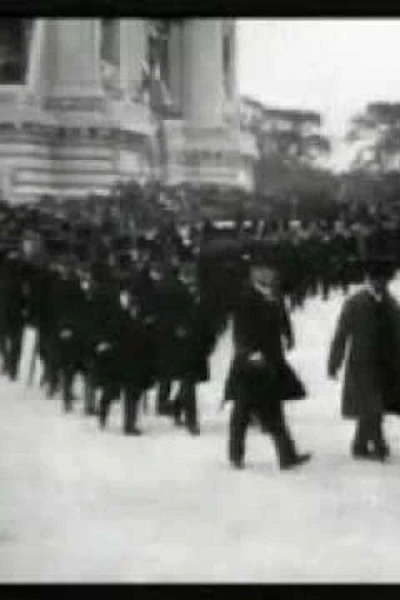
14,37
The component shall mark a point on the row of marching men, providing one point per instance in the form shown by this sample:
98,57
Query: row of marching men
319,260
123,328
127,329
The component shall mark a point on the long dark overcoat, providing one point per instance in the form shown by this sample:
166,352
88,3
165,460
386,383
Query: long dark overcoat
258,326
105,330
68,300
137,350
184,333
366,391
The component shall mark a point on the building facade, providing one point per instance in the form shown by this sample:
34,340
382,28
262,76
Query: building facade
88,103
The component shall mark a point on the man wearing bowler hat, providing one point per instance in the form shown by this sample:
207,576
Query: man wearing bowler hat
260,379
368,333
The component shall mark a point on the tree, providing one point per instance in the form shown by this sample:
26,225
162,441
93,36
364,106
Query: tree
294,136
375,133
290,146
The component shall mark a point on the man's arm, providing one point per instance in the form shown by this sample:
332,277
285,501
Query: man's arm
287,329
338,344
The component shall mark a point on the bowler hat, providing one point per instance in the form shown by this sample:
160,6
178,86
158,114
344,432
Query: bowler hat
380,266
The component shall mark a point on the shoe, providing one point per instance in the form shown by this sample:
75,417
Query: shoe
194,430
358,452
134,431
381,453
237,463
166,411
296,461
52,391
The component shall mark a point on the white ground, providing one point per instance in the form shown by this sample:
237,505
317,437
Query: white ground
79,505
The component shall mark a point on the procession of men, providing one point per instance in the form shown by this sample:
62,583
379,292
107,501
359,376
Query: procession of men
133,310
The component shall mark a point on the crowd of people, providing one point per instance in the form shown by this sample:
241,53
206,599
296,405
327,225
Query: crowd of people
131,294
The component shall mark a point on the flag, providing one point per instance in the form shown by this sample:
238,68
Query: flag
145,83
160,97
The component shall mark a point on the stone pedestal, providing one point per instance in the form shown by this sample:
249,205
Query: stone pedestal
64,132
207,150
67,135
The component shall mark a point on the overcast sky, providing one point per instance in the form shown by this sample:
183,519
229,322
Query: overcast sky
335,66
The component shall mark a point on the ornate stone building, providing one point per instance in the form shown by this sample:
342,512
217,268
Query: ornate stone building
86,103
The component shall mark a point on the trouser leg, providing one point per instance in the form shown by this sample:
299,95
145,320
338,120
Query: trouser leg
376,436
53,368
131,397
238,425
3,350
190,406
45,377
274,423
186,404
164,392
179,404
109,393
369,429
361,437
15,352
379,434
90,394
67,377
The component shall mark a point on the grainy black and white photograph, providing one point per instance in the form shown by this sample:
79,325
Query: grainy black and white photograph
199,300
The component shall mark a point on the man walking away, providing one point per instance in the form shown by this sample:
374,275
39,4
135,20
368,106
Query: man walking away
368,331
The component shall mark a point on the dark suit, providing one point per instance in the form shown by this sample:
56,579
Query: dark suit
128,365
137,349
67,348
260,388
14,306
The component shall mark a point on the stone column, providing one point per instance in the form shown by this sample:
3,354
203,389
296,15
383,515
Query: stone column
232,76
132,54
72,64
36,56
175,44
233,83
203,86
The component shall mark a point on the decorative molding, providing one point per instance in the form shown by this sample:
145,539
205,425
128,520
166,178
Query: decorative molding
7,97
89,104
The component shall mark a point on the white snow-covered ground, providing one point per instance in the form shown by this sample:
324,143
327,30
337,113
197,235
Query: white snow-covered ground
80,505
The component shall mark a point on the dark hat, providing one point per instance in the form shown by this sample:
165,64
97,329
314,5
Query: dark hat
84,232
124,259
57,246
82,251
382,267
10,244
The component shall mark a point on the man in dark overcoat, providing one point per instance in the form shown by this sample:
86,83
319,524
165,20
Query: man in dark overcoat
137,350
195,340
15,302
368,333
88,337
104,340
68,298
126,359
260,379
171,300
